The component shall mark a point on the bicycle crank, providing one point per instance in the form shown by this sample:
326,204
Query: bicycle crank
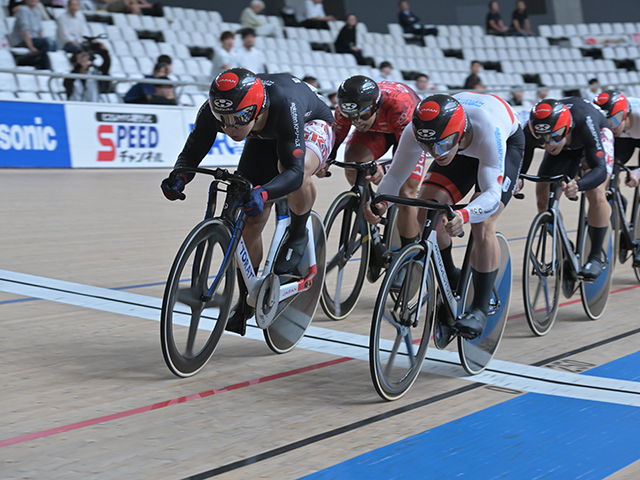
267,301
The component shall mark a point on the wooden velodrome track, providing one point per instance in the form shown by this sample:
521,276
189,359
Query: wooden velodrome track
86,393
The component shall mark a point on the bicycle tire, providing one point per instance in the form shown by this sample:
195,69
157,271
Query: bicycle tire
541,279
395,358
636,238
295,314
340,295
185,351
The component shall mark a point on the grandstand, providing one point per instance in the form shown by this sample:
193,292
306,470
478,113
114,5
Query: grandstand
560,57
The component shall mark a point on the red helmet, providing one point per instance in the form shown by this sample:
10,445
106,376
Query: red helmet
236,97
615,105
439,123
550,121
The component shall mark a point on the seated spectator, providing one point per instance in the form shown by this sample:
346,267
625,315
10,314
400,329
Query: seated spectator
494,23
89,90
423,88
163,94
27,32
166,59
386,72
315,16
72,28
15,5
517,98
543,92
313,81
143,92
136,7
346,41
473,79
247,55
251,18
520,24
224,56
593,91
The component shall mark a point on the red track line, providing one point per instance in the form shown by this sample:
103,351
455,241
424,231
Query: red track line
166,403
208,393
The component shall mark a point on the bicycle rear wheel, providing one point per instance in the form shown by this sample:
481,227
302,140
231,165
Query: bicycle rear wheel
347,267
476,354
190,327
542,274
636,237
294,314
398,340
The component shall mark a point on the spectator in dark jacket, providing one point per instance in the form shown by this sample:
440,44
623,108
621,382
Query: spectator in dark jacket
143,92
495,25
408,20
346,41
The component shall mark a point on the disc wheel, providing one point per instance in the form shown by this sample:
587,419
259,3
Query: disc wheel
399,337
191,325
542,274
346,269
636,237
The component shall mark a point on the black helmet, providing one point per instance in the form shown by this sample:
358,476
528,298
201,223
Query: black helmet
550,121
615,105
358,98
439,123
236,97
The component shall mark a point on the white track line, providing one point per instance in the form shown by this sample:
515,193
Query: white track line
500,373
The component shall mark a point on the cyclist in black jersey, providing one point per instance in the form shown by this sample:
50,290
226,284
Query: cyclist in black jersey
575,134
289,135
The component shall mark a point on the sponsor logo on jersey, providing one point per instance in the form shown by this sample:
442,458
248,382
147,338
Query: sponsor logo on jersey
506,184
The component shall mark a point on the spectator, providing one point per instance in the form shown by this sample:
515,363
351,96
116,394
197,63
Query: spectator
315,16
166,59
593,91
15,5
517,98
89,90
495,25
27,32
136,7
143,92
346,41
251,18
313,81
72,28
408,20
543,92
473,79
224,56
520,20
333,100
423,89
249,57
163,94
386,72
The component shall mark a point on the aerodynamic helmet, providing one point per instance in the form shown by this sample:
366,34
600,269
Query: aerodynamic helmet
236,97
550,121
359,98
615,105
439,123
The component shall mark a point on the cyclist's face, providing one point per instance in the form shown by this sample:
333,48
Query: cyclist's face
555,148
621,127
448,157
364,125
239,133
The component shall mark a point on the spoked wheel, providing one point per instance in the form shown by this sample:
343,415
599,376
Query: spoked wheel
190,326
399,337
294,314
347,263
476,354
542,274
595,295
636,237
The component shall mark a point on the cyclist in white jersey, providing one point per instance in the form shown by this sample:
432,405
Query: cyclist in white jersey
475,140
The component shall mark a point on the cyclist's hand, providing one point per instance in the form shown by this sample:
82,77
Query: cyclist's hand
255,206
634,179
371,217
172,187
570,189
519,185
376,177
453,227
322,171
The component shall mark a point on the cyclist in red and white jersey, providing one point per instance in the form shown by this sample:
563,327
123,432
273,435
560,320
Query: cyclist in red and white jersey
475,140
379,112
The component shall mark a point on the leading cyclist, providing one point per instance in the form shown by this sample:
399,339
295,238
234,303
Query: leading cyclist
575,135
475,140
289,137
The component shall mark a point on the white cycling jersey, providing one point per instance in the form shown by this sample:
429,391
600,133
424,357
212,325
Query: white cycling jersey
634,131
493,122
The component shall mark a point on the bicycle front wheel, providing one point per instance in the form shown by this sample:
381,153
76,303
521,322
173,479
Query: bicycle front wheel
399,338
542,274
348,262
636,237
191,325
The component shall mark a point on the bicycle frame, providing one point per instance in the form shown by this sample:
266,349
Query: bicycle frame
627,229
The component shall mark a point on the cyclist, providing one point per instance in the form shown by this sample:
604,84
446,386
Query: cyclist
289,137
379,112
475,139
624,120
574,135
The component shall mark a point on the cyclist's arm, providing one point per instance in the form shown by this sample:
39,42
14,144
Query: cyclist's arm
595,157
200,139
530,146
341,128
404,162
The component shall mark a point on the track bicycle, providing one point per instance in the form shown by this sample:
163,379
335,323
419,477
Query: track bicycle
552,262
415,286
627,236
200,287
361,250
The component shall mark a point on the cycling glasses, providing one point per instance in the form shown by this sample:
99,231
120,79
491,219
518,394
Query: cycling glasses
617,119
441,148
551,138
238,119
359,117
